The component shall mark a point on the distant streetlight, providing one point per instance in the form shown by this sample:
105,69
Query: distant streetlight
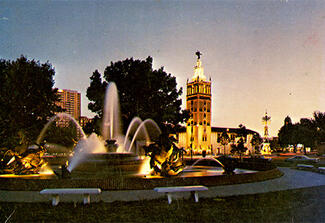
191,139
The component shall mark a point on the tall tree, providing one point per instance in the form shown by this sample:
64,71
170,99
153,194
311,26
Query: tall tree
286,133
256,142
96,96
143,92
27,100
224,140
239,148
319,126
243,132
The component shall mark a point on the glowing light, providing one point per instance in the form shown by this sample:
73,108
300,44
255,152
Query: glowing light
46,170
266,149
198,71
11,160
24,176
145,167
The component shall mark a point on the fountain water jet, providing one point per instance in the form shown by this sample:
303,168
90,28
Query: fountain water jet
111,126
90,145
142,127
60,116
136,121
206,158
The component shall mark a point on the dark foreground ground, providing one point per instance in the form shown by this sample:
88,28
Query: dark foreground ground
301,205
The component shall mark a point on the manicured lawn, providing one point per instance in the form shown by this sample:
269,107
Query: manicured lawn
302,205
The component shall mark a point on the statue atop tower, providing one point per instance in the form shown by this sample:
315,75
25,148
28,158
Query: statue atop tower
198,54
198,69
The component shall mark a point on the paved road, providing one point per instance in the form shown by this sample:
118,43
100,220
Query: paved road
292,179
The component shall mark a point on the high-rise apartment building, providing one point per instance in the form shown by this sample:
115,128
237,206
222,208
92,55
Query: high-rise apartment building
70,102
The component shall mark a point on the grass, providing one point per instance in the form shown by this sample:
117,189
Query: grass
302,205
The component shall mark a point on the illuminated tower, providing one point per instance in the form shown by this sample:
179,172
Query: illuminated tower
266,145
198,102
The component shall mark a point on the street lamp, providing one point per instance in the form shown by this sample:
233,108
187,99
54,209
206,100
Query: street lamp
191,139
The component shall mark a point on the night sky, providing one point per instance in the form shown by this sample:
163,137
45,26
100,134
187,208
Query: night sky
260,55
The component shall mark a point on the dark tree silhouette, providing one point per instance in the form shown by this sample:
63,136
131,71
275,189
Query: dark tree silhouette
238,148
143,92
256,142
319,126
286,133
224,140
309,132
27,100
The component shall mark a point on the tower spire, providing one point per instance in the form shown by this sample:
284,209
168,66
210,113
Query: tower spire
198,69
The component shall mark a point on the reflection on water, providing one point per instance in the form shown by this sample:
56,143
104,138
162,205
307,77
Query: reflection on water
29,176
201,171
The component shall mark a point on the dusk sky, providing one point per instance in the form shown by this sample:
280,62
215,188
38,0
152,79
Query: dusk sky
260,55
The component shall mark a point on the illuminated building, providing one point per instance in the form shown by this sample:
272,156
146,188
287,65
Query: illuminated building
83,120
198,135
70,103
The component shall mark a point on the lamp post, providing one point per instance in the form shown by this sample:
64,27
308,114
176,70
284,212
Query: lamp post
266,145
266,120
191,139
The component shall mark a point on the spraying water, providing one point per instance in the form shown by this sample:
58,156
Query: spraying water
111,126
86,146
60,116
142,128
111,131
133,126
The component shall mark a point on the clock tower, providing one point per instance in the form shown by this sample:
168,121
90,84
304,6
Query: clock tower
198,102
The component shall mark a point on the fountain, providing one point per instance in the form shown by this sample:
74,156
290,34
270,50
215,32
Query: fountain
106,155
112,153
114,160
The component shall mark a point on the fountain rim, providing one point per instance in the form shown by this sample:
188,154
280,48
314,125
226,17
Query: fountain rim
137,182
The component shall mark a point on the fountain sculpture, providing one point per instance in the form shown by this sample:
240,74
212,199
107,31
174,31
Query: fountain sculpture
28,162
165,157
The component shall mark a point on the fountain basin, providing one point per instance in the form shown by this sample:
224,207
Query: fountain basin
134,182
107,164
